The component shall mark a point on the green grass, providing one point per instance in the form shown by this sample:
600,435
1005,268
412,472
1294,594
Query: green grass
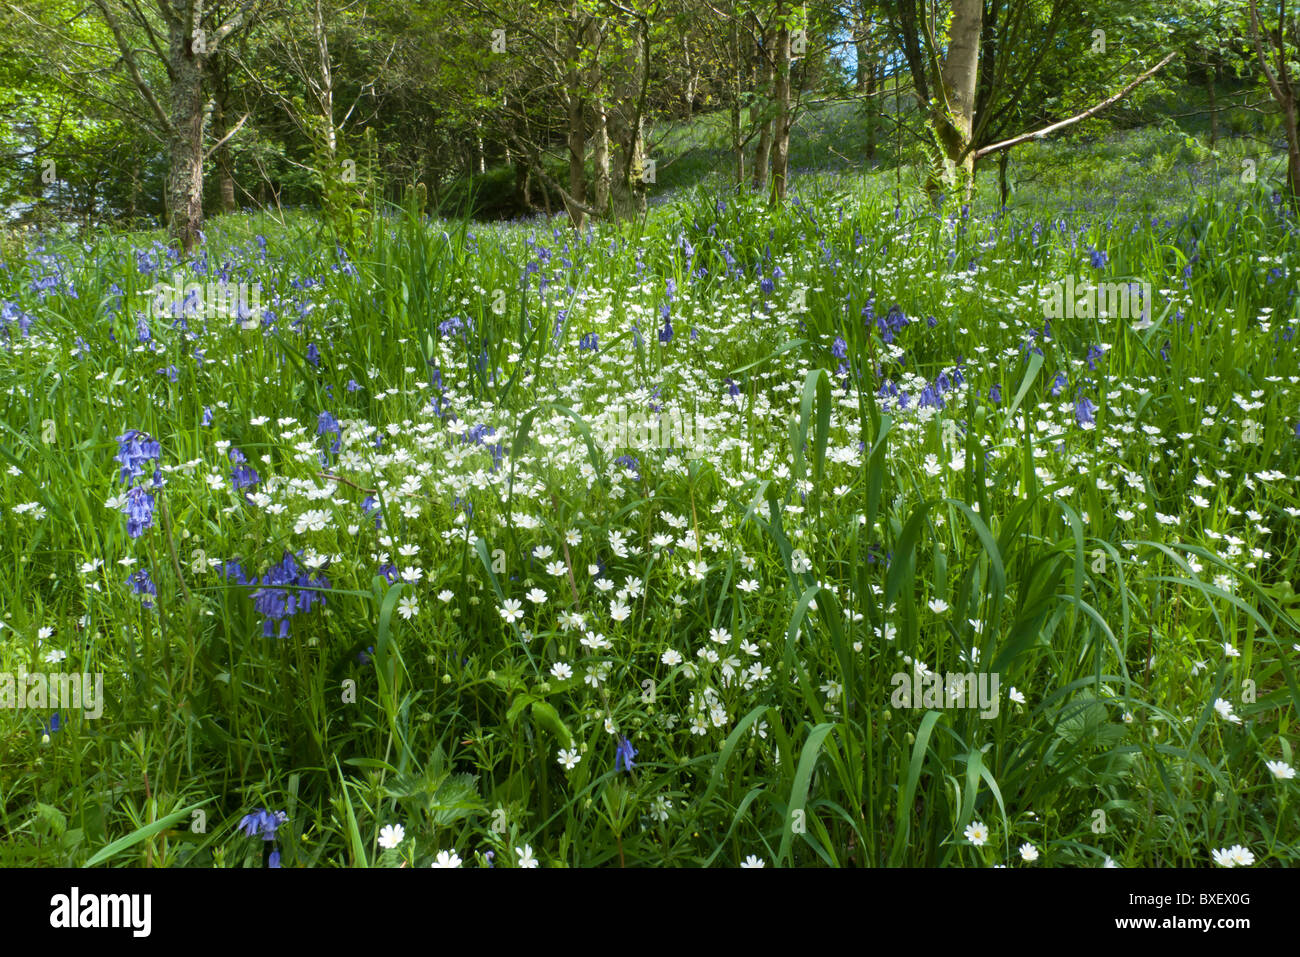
1077,563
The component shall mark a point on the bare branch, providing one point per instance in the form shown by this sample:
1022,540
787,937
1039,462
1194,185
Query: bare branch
1091,111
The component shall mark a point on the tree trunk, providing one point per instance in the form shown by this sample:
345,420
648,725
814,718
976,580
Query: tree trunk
763,153
225,167
872,111
692,77
629,185
1292,150
600,124
959,76
577,133
600,159
737,141
185,175
737,147
781,131
1003,187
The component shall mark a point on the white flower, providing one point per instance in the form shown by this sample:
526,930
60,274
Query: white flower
54,657
390,835
447,859
408,608
561,671
1281,770
671,658
1028,852
569,758
1240,856
526,858
1235,856
1017,696
511,610
537,596
938,606
753,861
976,833
1225,711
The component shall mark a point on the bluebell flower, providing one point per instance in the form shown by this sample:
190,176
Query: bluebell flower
242,476
138,509
142,585
1059,383
277,603
262,823
624,754
1083,410
135,449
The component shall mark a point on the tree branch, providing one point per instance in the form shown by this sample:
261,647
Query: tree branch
1091,111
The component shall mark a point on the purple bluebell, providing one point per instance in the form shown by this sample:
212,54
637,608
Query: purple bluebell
142,584
1083,410
262,823
135,449
242,476
623,754
138,509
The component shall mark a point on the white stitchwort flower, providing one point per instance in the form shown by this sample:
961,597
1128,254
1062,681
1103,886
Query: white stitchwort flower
526,858
391,835
1281,770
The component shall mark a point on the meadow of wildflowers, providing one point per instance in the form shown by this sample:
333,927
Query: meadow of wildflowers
508,545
